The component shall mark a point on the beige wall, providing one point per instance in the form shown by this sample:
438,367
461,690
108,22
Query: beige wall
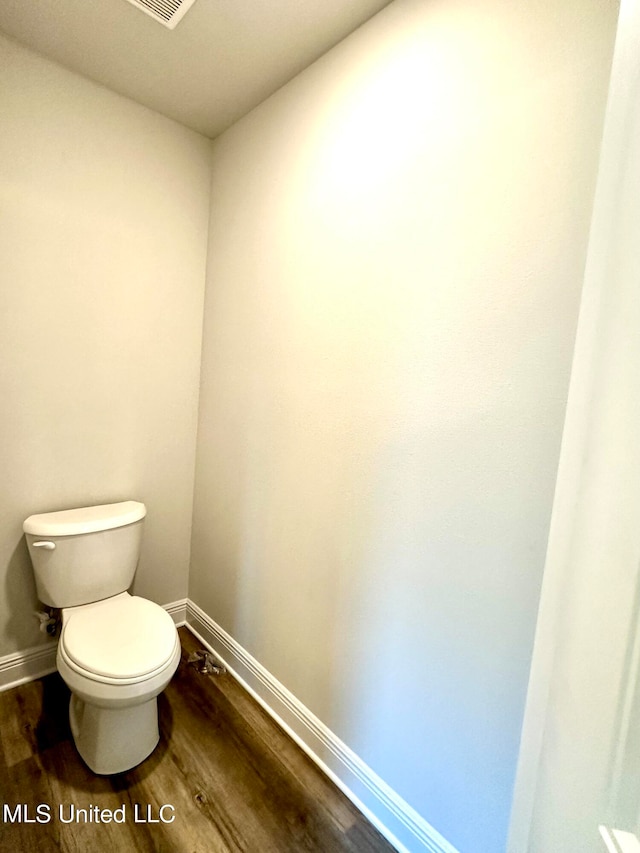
103,229
397,244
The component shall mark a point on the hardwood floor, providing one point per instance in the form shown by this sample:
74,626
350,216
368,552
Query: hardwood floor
225,772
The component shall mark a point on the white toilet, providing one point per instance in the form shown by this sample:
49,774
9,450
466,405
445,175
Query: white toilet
116,651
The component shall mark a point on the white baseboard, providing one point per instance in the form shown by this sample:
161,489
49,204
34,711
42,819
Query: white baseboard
29,664
393,817
178,611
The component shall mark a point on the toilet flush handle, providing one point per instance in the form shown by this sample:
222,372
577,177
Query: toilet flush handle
48,546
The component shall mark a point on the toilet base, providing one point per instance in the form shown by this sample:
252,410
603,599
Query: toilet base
112,740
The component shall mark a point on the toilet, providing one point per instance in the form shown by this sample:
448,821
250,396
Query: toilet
117,652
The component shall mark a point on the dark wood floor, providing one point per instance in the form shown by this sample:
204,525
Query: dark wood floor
235,781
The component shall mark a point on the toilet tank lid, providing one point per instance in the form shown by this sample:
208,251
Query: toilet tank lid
88,519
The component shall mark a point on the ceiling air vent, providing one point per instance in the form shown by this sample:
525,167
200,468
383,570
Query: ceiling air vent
166,12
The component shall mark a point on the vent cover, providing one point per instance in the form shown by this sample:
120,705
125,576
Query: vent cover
166,12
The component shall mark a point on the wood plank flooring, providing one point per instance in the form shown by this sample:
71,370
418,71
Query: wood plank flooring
227,774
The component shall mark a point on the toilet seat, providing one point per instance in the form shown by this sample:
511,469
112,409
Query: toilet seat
120,640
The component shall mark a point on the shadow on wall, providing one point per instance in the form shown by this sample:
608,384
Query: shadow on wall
21,600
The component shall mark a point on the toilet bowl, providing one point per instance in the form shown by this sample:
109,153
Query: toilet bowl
116,656
117,652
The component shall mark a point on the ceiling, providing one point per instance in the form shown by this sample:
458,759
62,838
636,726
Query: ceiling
222,59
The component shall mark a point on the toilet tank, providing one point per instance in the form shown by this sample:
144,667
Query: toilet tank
86,554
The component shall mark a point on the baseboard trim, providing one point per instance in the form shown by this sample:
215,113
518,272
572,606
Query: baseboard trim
29,664
393,817
178,611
